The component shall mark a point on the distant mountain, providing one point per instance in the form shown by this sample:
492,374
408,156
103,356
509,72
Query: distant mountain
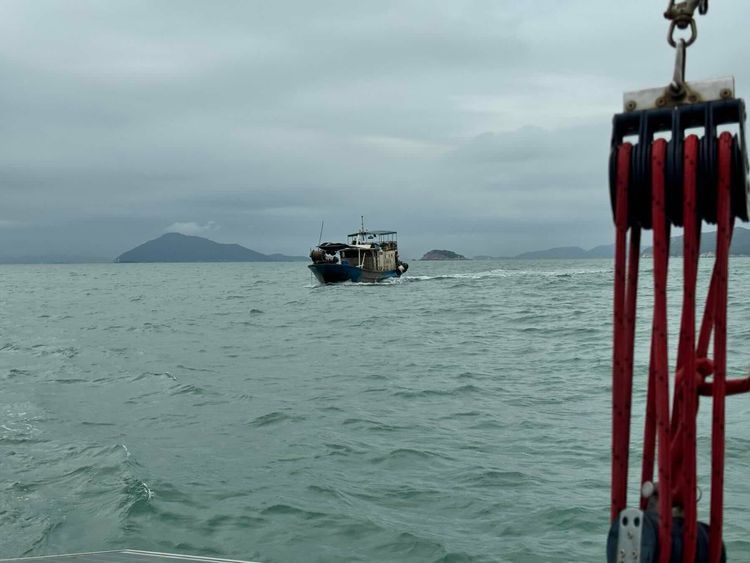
175,247
740,244
740,247
442,255
558,252
602,251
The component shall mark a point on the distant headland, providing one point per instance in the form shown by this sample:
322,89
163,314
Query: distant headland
442,255
175,247
740,247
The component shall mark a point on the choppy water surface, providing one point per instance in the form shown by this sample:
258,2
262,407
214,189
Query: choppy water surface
239,410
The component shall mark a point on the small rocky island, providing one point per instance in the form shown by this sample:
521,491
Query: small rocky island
442,255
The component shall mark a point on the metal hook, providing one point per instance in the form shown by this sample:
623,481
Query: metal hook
681,16
677,24
677,87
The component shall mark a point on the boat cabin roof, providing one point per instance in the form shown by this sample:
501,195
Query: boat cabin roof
376,233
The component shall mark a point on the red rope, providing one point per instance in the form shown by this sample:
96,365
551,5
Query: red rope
688,383
685,404
620,410
649,429
659,344
630,311
672,439
723,238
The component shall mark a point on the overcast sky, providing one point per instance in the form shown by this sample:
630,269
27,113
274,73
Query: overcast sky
476,126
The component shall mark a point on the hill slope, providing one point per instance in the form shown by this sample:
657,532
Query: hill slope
740,247
559,252
740,244
175,247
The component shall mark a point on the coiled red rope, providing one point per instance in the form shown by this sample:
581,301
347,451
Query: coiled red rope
671,438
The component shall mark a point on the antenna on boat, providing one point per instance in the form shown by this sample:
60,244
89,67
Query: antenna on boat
320,237
362,217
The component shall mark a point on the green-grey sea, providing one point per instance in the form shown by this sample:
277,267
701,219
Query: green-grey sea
461,413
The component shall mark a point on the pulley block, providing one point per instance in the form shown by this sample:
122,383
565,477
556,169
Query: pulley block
704,119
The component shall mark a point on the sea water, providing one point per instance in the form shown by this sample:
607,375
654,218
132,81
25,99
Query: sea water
461,413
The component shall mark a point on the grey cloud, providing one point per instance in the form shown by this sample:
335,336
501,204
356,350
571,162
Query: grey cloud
480,126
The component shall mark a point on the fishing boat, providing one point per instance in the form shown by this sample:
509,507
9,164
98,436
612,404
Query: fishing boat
366,256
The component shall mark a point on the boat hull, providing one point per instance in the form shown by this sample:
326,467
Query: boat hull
337,273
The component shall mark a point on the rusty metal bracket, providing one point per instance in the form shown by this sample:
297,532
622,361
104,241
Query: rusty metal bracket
694,92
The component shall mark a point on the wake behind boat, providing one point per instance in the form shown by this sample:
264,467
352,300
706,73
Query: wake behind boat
366,256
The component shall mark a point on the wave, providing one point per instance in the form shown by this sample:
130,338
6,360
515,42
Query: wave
189,389
20,423
371,425
288,510
270,418
503,273
458,391
409,455
154,374
68,352
71,489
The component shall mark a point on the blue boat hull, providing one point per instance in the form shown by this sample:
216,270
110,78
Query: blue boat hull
336,273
